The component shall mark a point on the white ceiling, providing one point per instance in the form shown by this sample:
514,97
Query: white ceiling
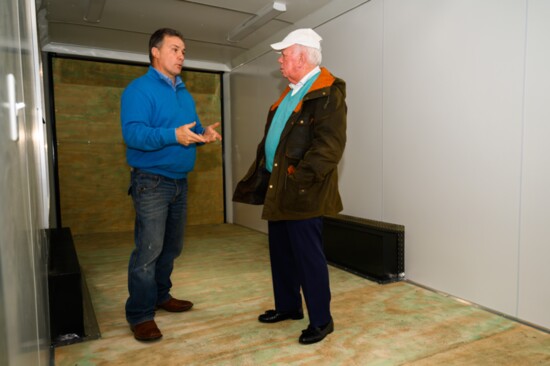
125,26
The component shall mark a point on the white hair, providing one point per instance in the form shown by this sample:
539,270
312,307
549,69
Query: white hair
314,55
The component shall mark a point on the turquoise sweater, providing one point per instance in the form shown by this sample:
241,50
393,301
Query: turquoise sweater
151,110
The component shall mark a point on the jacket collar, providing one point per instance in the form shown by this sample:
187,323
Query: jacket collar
325,79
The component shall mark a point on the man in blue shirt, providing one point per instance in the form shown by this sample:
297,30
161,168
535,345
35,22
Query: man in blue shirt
161,130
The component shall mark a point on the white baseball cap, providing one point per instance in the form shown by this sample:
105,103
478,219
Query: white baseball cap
305,37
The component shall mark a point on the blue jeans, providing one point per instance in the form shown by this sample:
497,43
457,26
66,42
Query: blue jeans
161,209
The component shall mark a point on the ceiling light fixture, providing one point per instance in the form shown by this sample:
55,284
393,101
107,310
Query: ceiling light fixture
253,23
95,11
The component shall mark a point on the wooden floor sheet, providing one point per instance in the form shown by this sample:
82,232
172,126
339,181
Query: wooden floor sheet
225,271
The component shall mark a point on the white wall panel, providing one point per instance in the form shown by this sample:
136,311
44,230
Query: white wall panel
534,274
448,110
352,50
453,84
254,88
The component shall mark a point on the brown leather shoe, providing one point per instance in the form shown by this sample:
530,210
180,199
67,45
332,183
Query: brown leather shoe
176,306
146,331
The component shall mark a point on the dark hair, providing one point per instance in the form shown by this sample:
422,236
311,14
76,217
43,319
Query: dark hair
157,38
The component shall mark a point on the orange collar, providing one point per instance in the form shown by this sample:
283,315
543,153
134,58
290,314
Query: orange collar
324,80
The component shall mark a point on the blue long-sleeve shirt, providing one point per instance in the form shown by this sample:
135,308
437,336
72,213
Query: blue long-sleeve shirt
151,110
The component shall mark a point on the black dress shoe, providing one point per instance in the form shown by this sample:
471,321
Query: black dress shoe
316,334
273,316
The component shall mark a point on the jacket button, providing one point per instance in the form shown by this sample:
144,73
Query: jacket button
271,186
302,122
275,164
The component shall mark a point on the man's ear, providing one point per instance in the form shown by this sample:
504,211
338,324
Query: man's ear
155,52
303,58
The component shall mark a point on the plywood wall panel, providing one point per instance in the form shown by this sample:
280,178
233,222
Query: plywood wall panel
93,173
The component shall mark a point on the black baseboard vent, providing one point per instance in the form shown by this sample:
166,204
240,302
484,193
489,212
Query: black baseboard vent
72,318
371,249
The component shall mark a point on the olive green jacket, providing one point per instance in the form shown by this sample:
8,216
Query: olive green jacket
304,180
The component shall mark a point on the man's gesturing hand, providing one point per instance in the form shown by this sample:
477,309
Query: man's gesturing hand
185,136
210,134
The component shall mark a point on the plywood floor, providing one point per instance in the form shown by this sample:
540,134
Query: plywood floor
225,271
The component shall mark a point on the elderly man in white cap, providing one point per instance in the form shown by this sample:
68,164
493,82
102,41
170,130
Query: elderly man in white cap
295,177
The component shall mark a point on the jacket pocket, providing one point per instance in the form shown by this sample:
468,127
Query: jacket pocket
299,138
301,198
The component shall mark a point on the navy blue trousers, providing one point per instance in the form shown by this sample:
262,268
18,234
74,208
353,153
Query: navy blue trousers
298,261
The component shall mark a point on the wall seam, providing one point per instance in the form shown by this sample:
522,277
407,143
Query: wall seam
382,111
521,162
